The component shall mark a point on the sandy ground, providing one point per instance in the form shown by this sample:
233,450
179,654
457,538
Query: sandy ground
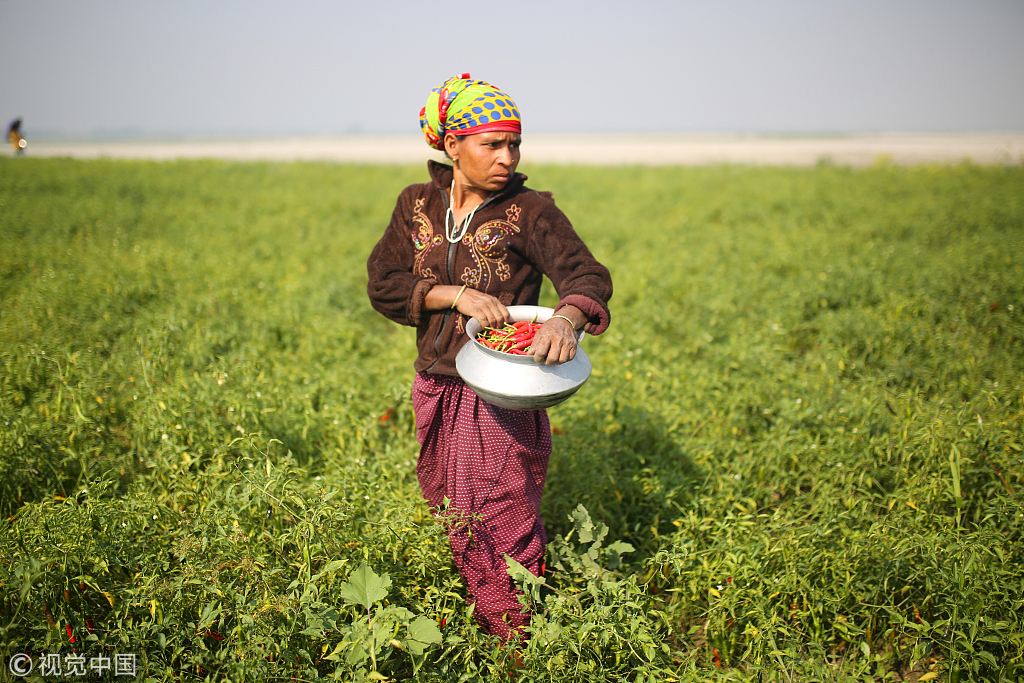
648,149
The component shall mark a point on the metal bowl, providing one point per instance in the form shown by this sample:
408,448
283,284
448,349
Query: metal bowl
520,382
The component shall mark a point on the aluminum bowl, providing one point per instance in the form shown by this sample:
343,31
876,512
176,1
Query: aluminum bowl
520,382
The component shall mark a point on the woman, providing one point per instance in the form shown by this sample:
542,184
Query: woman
465,245
18,143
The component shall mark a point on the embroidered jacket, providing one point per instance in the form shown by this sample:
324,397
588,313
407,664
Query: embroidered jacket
515,237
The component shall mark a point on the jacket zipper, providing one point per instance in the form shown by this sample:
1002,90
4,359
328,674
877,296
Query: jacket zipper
451,277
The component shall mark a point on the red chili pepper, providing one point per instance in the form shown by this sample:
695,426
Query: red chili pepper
512,338
71,637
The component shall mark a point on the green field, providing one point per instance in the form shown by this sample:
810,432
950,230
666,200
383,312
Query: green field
799,457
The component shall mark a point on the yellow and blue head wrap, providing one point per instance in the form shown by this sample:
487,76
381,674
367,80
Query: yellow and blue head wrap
467,107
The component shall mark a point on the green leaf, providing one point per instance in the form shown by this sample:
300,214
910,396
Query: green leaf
331,566
584,526
524,578
615,552
587,531
364,587
988,657
359,640
544,631
423,633
318,621
209,615
357,655
334,655
394,613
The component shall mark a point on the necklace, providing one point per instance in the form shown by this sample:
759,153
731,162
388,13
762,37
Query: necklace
451,230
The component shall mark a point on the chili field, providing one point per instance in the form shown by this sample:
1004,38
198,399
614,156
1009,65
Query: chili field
799,457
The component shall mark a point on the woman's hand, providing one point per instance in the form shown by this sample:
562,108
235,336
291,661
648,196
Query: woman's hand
555,342
487,310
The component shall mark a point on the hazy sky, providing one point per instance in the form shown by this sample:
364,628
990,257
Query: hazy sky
83,67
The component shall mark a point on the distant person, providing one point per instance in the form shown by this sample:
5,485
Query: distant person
15,138
466,244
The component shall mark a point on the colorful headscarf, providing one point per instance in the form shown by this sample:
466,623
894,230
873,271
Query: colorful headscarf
466,107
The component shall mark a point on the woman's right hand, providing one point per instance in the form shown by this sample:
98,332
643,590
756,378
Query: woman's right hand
487,310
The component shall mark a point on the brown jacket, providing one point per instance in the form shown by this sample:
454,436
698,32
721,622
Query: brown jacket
516,237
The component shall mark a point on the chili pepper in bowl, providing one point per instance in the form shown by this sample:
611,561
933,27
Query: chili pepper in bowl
513,338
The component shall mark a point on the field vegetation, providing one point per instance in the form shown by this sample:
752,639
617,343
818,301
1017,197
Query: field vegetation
800,456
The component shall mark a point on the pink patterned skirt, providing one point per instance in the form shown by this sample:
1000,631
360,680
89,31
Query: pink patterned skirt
490,463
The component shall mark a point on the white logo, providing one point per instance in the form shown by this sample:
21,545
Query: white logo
124,664
20,665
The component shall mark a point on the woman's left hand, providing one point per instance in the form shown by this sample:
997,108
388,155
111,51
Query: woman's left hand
555,342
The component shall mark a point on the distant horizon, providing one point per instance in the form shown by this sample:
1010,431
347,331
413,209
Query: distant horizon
648,149
171,136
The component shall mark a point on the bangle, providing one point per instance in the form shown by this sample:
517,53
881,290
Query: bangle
458,296
556,315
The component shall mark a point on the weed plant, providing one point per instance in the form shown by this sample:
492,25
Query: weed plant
800,456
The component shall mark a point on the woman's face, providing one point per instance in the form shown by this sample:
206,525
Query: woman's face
486,160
